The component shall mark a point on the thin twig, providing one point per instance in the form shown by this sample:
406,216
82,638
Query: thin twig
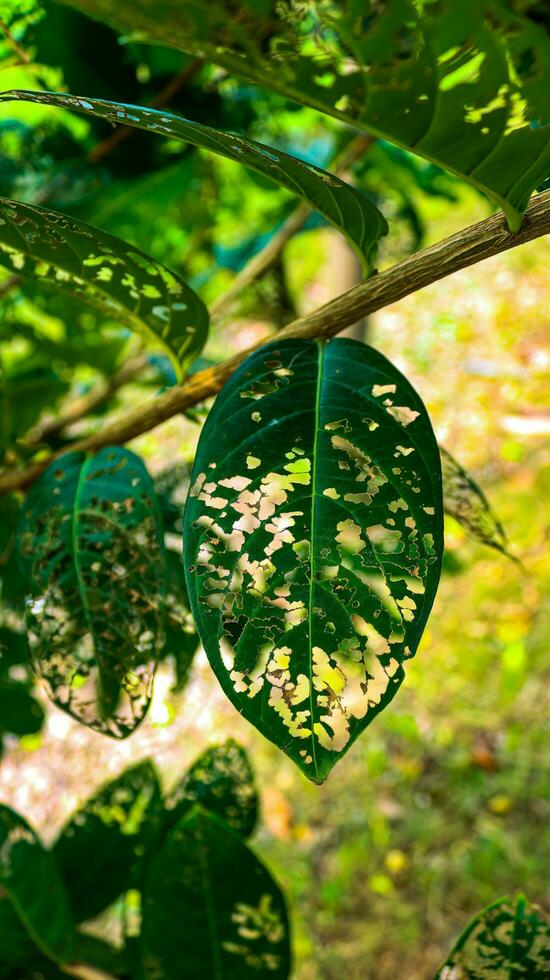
24,56
471,245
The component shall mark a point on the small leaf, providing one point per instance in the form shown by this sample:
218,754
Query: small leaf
313,541
464,500
350,210
222,781
121,281
211,909
91,542
181,639
97,849
34,910
510,938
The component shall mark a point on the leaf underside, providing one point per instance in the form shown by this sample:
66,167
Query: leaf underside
313,541
349,209
91,541
211,909
510,938
105,272
462,84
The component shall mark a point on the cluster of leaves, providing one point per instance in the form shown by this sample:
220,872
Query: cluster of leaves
195,900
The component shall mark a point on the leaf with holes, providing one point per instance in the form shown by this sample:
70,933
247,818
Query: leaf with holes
510,938
211,909
222,781
97,849
464,85
313,541
342,205
109,274
34,910
91,543
464,500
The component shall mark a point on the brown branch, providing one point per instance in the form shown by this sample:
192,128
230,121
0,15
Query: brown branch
473,244
24,57
122,133
269,254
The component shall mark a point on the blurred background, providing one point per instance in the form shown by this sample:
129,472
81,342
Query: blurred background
441,806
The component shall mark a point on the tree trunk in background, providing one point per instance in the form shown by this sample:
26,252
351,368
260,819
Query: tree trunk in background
342,271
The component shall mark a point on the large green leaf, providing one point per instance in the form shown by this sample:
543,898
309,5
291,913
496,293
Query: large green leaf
313,541
91,542
106,272
34,910
222,781
341,204
509,939
211,910
462,84
97,849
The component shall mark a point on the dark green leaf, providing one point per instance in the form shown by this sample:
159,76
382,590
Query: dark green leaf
97,849
180,635
462,84
313,541
222,781
464,500
20,713
345,207
211,909
34,910
91,541
106,272
509,939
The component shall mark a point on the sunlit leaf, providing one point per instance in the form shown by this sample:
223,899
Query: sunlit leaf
106,272
211,909
313,541
91,542
464,500
510,938
345,207
97,849
222,781
462,84
34,910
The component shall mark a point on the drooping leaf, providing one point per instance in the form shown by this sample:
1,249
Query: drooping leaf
97,849
510,938
180,635
341,204
91,541
313,541
34,909
464,500
211,909
462,84
106,272
222,781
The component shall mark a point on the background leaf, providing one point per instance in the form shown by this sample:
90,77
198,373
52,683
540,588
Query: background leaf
107,273
510,938
342,205
99,846
222,781
211,909
313,541
91,541
464,500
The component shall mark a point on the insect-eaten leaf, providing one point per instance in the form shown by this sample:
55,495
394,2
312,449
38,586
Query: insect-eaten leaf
211,909
91,542
98,848
510,938
349,209
125,284
34,910
464,500
313,537
222,781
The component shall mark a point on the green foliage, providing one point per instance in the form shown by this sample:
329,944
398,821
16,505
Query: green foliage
341,204
222,915
462,85
91,543
464,500
106,273
313,541
510,938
